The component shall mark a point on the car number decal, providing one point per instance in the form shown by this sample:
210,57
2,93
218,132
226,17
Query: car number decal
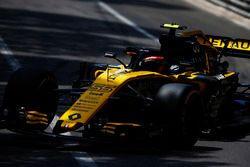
101,88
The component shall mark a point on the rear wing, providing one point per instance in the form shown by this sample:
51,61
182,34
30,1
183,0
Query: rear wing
235,48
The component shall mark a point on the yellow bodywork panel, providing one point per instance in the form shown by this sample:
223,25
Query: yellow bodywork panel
92,100
111,127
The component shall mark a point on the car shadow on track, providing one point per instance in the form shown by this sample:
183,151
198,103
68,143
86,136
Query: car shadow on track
236,133
19,149
147,155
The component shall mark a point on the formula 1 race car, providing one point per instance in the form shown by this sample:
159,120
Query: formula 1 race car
167,95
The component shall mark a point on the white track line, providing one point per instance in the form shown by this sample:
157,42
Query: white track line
8,55
84,159
125,20
3,83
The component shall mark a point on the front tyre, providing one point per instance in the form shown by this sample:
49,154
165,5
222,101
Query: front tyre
30,99
181,113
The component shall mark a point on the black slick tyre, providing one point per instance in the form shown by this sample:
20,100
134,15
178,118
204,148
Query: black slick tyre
181,109
30,90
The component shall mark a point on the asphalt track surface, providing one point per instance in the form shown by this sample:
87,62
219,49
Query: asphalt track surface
58,35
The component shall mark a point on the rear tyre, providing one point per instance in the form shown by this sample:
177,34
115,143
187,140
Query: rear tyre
30,90
181,111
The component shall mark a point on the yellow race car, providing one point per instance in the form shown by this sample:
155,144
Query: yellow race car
166,95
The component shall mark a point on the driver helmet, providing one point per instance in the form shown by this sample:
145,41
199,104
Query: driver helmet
152,63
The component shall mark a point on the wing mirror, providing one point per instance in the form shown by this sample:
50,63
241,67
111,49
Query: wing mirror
110,55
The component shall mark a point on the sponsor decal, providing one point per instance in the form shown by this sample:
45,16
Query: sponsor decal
74,116
233,44
94,94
